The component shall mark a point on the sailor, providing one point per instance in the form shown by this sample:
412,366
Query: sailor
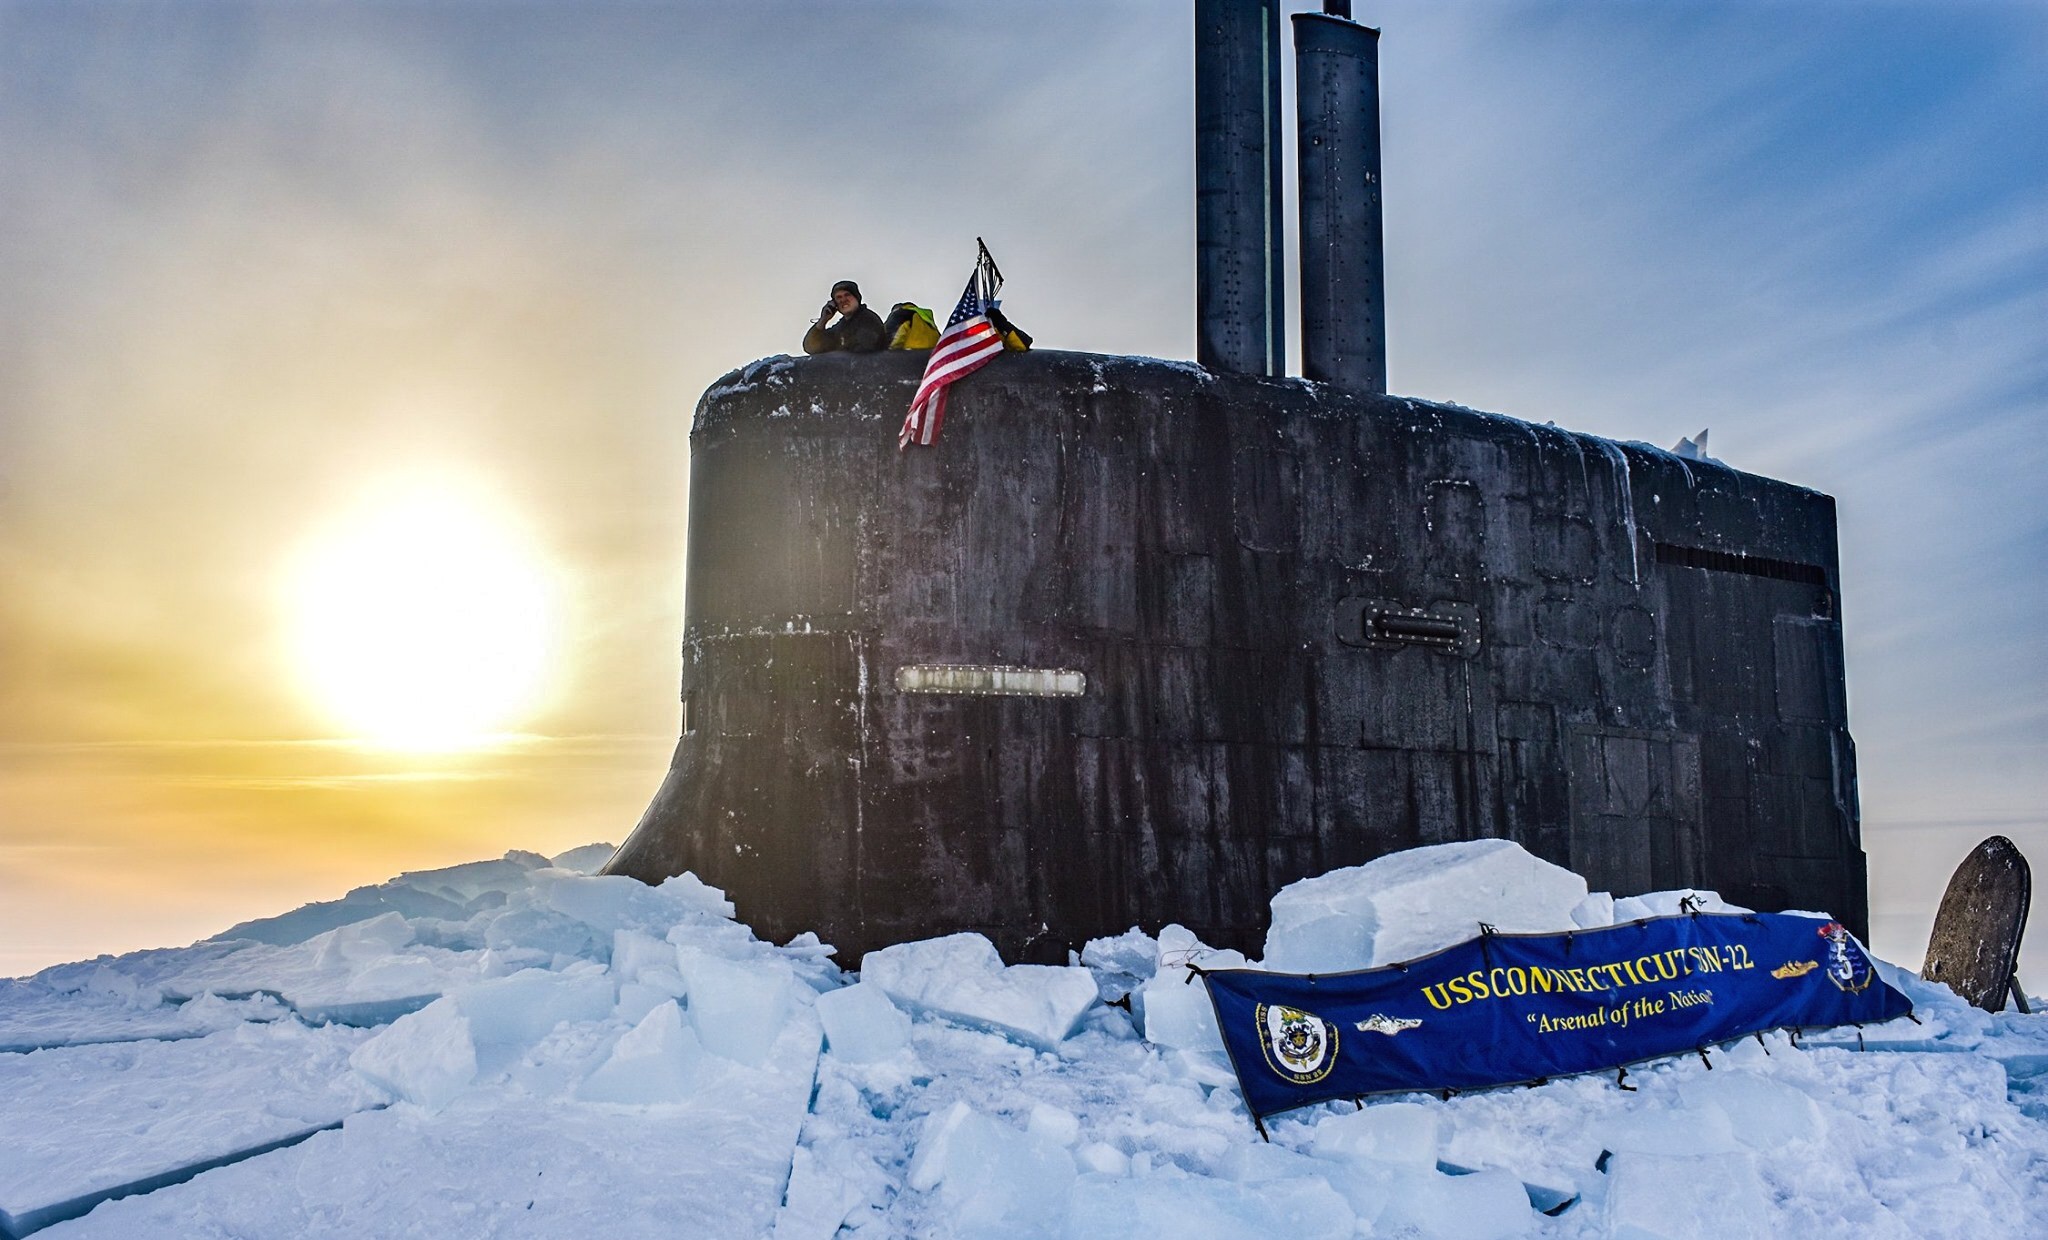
911,326
859,329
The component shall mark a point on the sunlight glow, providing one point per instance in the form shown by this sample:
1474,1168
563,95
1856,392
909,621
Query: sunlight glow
424,620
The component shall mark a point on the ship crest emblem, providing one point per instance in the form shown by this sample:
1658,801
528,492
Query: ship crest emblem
1380,1022
1794,968
1300,1046
1848,968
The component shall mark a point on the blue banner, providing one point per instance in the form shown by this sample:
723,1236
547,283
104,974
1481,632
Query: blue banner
1505,1009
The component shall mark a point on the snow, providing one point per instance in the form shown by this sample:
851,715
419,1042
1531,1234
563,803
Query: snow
547,1052
1761,1112
1193,1208
1676,1196
365,973
111,1007
1670,904
1694,448
509,1158
129,1112
447,893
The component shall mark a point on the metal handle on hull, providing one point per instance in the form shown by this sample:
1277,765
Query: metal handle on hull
1452,628
1411,627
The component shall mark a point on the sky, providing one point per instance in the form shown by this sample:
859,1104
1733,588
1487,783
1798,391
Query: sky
265,267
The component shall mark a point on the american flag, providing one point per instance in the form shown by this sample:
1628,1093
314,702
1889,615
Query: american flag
966,345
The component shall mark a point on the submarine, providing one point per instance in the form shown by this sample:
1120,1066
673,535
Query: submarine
1142,641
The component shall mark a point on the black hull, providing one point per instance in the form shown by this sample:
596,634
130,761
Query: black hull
1315,628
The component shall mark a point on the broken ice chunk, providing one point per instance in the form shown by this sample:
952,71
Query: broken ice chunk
822,1195
655,1062
1121,963
1693,448
1485,1205
1595,911
861,1024
543,931
633,953
1055,1124
928,1163
1412,903
524,1008
962,978
1102,1158
588,859
994,1179
693,893
362,942
1133,952
1397,1133
1253,1162
737,1009
397,975
1171,1009
425,1058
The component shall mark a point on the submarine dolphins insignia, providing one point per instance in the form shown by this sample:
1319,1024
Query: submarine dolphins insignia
1380,1022
1300,1046
1794,968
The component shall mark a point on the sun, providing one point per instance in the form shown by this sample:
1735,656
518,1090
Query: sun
423,620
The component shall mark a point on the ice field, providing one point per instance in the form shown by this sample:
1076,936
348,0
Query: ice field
518,1048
